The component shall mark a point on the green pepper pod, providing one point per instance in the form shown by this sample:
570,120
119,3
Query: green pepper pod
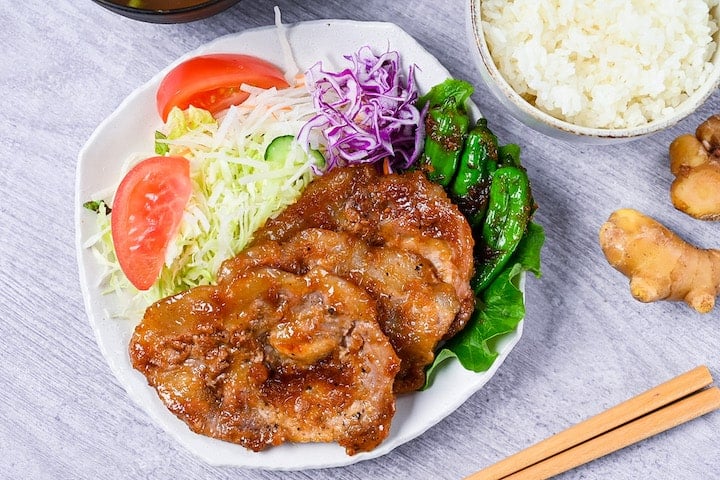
458,90
509,155
445,128
446,124
479,159
510,206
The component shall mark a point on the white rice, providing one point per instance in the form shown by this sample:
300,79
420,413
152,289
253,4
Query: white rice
602,63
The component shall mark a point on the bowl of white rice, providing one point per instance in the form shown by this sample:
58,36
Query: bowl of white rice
596,71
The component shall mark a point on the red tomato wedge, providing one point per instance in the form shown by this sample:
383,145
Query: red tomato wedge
213,82
146,214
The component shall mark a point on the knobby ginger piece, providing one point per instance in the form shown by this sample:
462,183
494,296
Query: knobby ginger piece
695,162
660,264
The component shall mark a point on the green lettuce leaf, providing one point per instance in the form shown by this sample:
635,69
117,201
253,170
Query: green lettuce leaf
499,310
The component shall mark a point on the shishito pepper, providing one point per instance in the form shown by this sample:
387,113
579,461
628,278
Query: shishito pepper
446,126
509,155
457,90
479,159
486,180
510,207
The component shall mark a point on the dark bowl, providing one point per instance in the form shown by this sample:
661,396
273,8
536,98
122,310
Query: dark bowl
166,11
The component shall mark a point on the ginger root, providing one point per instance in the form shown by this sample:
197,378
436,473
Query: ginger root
695,162
659,264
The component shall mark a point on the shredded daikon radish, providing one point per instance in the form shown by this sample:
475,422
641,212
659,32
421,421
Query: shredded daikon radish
291,68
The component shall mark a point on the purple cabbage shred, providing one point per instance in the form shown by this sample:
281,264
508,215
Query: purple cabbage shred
366,113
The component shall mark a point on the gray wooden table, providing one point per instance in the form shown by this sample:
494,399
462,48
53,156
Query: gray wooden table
66,65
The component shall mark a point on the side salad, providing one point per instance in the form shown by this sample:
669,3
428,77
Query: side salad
234,190
239,142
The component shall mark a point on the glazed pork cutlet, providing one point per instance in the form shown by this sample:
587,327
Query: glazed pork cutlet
267,357
406,223
337,305
416,308
401,210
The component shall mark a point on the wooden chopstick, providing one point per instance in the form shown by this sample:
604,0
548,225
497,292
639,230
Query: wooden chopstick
663,419
638,418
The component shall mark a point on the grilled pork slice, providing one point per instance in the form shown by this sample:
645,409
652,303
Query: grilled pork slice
267,357
416,308
405,211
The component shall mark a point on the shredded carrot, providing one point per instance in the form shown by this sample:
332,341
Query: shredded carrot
300,79
182,151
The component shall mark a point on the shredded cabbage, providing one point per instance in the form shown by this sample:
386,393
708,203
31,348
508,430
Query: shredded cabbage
235,190
366,113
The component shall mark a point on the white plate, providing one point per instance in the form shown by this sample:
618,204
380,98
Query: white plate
131,128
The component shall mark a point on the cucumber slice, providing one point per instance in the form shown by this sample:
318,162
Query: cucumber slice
280,148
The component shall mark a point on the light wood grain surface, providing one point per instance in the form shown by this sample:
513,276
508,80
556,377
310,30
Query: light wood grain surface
587,345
